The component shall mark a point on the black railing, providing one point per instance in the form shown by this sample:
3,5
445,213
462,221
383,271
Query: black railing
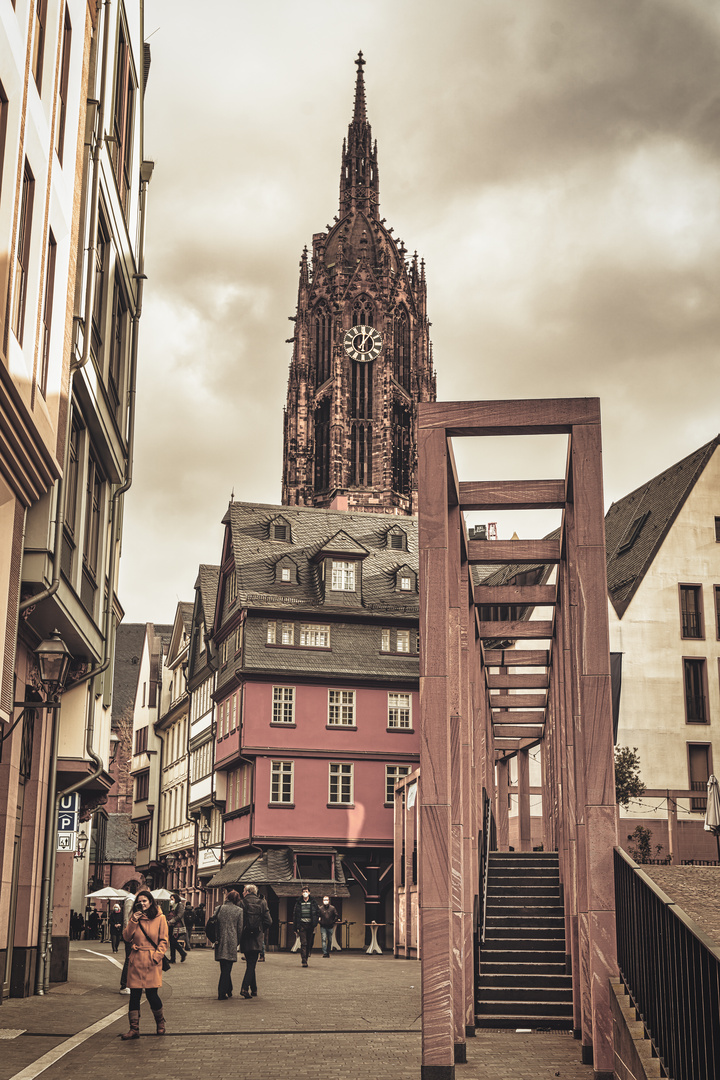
671,970
699,805
488,844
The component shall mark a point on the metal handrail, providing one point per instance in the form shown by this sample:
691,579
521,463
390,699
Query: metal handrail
490,845
671,970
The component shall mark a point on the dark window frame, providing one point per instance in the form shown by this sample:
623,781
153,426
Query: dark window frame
63,86
47,314
22,256
142,786
39,30
141,740
696,702
698,804
691,620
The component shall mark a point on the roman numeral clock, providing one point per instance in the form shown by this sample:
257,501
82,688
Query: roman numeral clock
363,343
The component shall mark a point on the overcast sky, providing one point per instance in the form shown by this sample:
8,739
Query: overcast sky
555,163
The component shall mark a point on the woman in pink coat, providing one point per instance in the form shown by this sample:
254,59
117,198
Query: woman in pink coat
147,934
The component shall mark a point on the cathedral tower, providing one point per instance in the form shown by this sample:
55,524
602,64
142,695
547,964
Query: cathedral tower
362,358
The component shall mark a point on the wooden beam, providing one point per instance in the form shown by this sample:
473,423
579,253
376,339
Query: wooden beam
517,658
524,595
517,629
512,495
518,718
512,552
507,731
518,701
534,416
539,681
518,744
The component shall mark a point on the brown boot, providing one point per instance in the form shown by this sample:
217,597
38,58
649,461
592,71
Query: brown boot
159,1022
134,1032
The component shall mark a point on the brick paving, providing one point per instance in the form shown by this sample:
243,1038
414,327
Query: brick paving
696,889
355,1016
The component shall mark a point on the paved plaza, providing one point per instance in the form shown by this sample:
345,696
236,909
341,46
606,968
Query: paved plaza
353,1016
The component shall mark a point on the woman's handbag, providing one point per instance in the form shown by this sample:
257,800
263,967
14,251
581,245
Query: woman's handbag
165,961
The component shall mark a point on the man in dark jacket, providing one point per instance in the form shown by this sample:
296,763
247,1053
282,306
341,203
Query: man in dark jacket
305,919
176,926
257,919
328,918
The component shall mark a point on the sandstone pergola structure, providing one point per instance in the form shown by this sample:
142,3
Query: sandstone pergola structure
481,704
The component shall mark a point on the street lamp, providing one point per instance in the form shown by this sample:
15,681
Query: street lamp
114,744
204,835
82,843
53,658
170,862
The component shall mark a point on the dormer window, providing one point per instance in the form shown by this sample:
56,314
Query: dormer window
396,539
280,530
343,576
405,580
286,572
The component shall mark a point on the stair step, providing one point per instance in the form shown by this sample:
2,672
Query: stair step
555,994
511,980
513,888
554,935
534,923
525,1008
536,1023
537,967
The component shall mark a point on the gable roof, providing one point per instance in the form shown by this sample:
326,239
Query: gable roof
313,532
636,526
207,581
126,671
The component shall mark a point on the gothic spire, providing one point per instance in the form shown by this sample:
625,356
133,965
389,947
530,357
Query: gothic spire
359,187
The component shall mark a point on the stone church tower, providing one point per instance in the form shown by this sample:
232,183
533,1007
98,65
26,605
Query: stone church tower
362,358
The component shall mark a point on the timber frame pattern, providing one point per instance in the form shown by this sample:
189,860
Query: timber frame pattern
466,740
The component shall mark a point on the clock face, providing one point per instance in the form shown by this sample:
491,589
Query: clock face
363,343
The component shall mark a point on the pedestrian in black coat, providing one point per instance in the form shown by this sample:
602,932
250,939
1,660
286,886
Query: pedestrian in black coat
257,919
305,919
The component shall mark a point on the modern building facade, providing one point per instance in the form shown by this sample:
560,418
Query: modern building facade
316,629
72,213
663,558
362,357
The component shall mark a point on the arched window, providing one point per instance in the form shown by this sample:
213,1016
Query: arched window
401,349
401,450
322,446
363,312
322,344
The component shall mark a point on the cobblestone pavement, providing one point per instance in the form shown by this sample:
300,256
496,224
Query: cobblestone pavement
355,1017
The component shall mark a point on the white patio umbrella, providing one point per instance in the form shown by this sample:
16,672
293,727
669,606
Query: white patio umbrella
108,893
161,894
712,812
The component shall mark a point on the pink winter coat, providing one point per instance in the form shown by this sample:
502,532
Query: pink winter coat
145,965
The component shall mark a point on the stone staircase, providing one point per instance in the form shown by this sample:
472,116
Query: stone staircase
522,982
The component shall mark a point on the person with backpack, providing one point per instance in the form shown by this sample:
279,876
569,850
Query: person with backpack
225,928
257,919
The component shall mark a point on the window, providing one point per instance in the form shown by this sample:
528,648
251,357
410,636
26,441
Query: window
271,633
92,518
118,336
287,633
22,259
397,540
123,119
405,584
281,782
398,641
717,530
341,785
143,834
341,708
3,129
40,20
238,788
283,710
632,532
63,87
47,315
392,774
142,786
102,250
400,711
279,531
285,573
315,637
695,691
343,576
699,771
200,762
141,739
691,614
717,611
231,589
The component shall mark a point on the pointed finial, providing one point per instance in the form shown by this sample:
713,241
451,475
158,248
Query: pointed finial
359,110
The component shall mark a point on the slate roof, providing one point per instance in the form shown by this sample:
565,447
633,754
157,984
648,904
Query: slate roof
650,511
208,577
311,532
274,867
121,839
186,614
128,651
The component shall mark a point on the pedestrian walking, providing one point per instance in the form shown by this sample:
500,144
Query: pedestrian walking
93,923
305,919
147,935
116,926
176,926
256,920
128,904
230,925
328,919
